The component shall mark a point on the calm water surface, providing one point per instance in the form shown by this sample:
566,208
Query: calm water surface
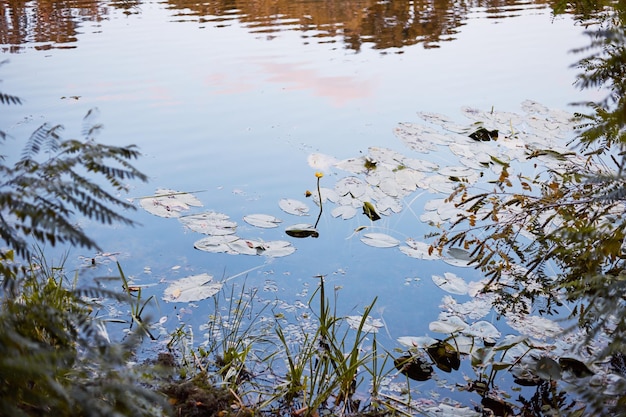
231,98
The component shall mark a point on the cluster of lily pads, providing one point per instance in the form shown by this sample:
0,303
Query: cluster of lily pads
385,182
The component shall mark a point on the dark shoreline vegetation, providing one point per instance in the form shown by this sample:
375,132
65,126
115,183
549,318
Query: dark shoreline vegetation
57,355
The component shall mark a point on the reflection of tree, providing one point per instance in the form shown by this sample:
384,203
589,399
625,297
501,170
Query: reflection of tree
386,24
45,22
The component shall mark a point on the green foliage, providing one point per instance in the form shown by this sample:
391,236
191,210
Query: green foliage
56,357
50,184
53,182
559,237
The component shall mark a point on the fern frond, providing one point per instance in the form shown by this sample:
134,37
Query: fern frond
9,99
44,135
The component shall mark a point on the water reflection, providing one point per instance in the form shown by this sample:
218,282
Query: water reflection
383,24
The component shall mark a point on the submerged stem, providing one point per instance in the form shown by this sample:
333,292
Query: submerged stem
319,194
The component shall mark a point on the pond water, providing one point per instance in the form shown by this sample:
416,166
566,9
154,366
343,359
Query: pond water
230,99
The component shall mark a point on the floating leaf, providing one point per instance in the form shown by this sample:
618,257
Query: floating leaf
548,369
302,230
345,212
473,309
416,341
277,249
578,368
368,325
498,406
370,211
482,357
271,249
534,326
264,221
216,244
209,223
445,410
413,367
510,341
192,288
445,356
168,203
294,207
379,240
484,135
321,161
419,250
459,254
484,330
451,325
451,283
353,165
350,186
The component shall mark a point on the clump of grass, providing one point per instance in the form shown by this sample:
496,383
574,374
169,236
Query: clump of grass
56,355
269,372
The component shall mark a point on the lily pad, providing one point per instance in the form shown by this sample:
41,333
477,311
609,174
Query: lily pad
379,240
264,221
169,203
578,368
351,186
302,230
192,288
445,356
451,283
321,161
295,207
370,211
484,330
548,369
449,325
217,244
369,325
416,341
271,249
413,367
209,223
277,249
345,212
419,250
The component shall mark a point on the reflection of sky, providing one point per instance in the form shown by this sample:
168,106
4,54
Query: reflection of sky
222,110
339,90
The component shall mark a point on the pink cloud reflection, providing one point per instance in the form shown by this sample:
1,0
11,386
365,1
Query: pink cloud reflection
340,90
